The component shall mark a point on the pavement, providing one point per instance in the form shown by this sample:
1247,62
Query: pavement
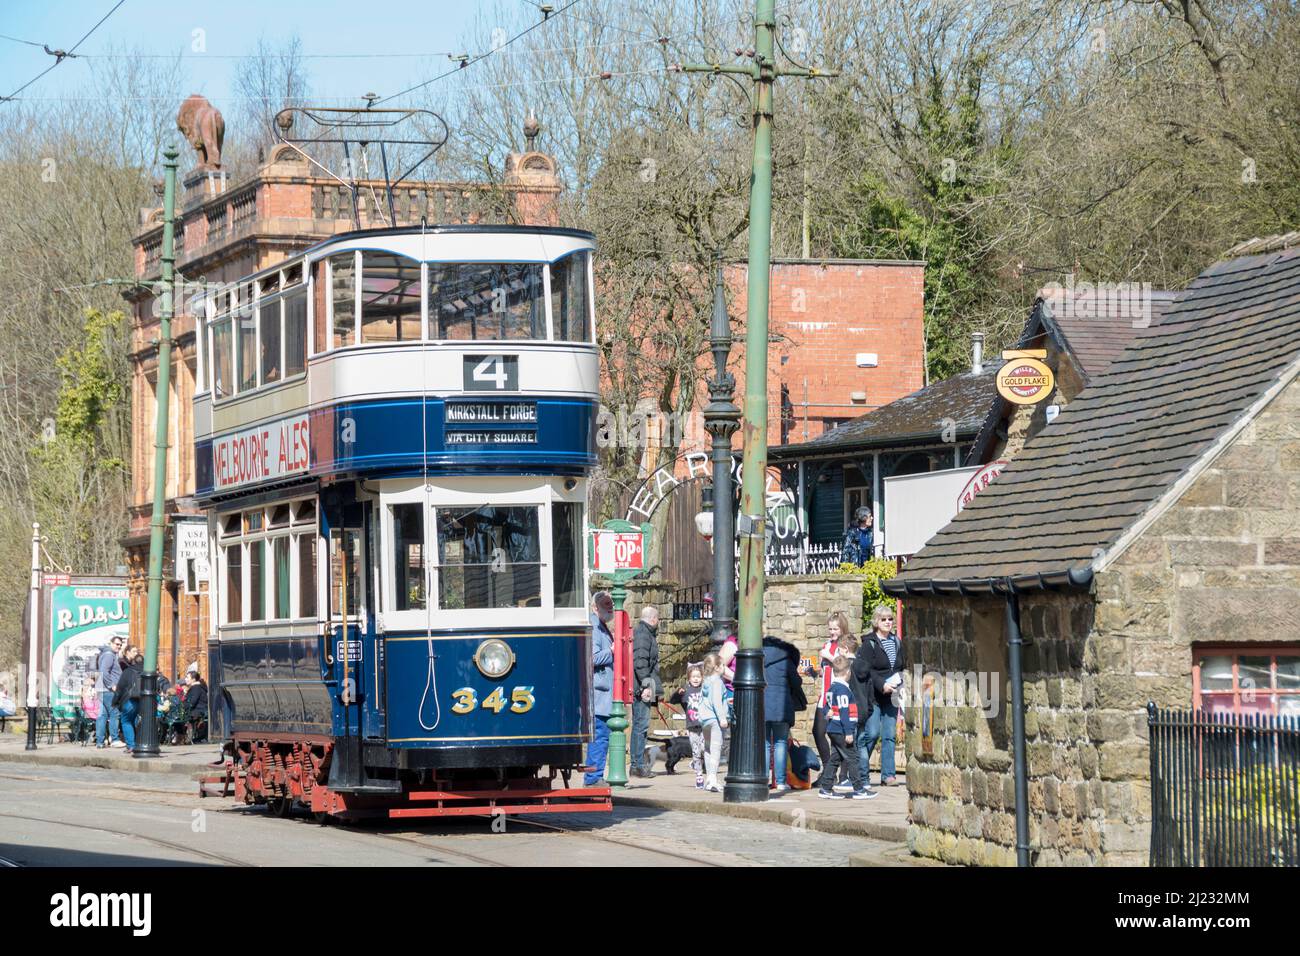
884,818
883,821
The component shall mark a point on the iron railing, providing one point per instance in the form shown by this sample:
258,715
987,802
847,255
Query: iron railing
1225,789
693,604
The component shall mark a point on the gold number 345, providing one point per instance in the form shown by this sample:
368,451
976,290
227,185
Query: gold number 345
521,700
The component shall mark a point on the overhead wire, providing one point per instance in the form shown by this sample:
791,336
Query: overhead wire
470,61
60,55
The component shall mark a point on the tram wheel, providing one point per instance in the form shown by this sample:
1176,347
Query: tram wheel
321,817
279,806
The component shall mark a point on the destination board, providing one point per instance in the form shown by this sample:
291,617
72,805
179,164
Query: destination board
492,437
492,413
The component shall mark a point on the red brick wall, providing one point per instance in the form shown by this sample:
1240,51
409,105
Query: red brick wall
822,315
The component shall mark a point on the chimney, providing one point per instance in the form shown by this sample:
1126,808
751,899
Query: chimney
977,352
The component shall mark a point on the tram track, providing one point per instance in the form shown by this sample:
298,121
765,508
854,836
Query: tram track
631,844
184,848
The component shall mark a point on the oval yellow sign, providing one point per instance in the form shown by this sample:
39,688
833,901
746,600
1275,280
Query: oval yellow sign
1025,381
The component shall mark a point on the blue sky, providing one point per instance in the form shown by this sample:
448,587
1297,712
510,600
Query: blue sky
400,29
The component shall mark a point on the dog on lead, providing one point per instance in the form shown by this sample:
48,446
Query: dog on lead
673,750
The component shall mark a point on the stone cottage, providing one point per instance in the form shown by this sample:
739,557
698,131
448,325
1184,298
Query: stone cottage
1151,537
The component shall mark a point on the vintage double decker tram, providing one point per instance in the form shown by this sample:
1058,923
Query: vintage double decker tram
393,434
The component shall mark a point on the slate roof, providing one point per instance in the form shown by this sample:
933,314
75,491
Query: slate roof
1097,329
1113,452
920,416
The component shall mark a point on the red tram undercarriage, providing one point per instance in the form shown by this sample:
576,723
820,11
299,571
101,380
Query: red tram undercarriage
282,773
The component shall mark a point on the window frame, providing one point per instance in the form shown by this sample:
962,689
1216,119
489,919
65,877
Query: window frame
265,536
1236,652
249,292
541,494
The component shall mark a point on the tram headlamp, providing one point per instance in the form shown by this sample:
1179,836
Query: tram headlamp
494,658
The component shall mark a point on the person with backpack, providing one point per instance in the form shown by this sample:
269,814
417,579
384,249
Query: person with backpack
688,697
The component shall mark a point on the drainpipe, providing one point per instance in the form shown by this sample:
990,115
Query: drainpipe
1014,644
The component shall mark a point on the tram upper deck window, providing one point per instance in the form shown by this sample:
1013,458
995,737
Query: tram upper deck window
570,309
343,303
246,332
295,330
390,298
482,300
222,359
268,320
488,557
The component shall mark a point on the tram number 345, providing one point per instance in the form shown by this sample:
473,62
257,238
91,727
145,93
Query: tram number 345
491,373
521,700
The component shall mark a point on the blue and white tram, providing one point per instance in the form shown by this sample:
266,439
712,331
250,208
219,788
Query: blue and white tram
393,434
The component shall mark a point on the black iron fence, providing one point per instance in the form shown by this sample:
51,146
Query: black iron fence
1225,789
693,604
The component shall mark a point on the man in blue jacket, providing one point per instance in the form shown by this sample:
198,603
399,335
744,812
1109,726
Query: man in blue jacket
108,723
602,684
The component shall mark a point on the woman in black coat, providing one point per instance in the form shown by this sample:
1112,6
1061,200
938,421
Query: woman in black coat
783,696
877,669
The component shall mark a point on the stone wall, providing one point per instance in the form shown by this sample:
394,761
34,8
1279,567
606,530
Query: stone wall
962,792
1219,566
796,608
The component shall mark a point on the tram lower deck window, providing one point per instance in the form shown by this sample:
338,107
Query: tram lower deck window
489,557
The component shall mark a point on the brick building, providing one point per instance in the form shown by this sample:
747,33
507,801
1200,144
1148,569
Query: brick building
1148,536
228,230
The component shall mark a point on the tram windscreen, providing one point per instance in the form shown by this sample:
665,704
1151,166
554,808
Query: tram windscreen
483,300
489,557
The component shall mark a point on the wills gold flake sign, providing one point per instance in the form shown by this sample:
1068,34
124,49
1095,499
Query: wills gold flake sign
1025,380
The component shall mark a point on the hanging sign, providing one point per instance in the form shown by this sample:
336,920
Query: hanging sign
1024,379
191,564
83,619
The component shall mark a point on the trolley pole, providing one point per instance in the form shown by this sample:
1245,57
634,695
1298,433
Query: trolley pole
146,744
746,769
33,641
